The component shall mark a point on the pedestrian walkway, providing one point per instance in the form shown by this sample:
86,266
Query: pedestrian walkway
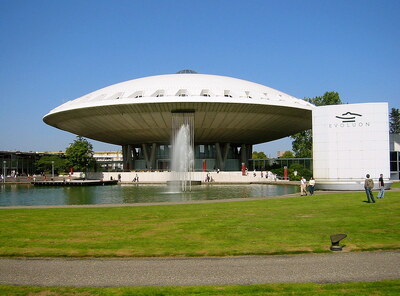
318,268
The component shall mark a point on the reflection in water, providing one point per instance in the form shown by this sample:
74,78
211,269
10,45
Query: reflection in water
78,195
26,194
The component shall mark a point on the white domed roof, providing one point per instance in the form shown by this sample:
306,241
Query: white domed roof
226,110
161,87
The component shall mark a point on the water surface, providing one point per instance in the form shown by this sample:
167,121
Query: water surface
26,194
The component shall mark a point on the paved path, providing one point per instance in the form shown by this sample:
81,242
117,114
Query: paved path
319,268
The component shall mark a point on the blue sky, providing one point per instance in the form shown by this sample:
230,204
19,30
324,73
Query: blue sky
55,51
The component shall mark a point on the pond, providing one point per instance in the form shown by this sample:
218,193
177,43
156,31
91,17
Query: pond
27,194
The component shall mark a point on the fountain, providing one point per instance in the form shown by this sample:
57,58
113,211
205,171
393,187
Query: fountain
182,160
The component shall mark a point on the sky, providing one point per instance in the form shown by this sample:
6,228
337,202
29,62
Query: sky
55,51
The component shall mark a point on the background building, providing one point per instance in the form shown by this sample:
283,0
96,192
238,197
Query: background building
230,115
109,161
395,156
17,162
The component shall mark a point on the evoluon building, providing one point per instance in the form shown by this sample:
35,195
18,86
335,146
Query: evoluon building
230,115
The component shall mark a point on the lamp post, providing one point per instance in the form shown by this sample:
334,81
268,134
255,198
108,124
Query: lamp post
52,169
4,171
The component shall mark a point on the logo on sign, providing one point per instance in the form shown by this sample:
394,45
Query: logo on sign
349,119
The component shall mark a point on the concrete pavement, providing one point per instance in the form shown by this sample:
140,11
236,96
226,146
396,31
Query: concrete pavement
319,268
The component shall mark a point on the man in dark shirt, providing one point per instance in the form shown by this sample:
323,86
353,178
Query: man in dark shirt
381,193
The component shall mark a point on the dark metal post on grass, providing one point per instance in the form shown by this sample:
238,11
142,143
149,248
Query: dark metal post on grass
335,239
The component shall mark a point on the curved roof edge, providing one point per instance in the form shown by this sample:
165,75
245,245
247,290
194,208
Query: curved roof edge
183,87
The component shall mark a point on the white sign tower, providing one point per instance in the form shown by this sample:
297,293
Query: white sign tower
350,141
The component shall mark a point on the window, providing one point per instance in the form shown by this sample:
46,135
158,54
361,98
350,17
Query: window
182,93
227,94
137,94
159,93
205,93
115,96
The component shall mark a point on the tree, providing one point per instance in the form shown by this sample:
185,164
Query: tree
79,155
394,121
329,98
302,142
287,154
46,162
258,155
301,171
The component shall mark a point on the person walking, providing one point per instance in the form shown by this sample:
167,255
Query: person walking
303,186
136,179
311,186
381,193
368,185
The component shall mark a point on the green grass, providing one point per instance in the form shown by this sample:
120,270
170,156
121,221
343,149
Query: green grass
368,288
396,185
275,226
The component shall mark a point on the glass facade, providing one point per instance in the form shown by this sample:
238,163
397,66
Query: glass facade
395,165
21,163
205,156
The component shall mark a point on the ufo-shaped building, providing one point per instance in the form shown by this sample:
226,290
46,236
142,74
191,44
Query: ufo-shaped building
229,116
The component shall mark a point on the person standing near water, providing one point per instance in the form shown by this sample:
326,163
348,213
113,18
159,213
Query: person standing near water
381,193
311,186
303,186
368,185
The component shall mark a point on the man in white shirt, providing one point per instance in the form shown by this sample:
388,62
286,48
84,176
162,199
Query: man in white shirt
303,186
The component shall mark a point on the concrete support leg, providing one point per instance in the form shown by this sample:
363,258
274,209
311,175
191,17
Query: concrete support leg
150,155
135,156
125,155
131,162
146,155
153,156
222,155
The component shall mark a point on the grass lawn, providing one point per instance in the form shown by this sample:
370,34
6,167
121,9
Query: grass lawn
368,288
396,185
275,226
